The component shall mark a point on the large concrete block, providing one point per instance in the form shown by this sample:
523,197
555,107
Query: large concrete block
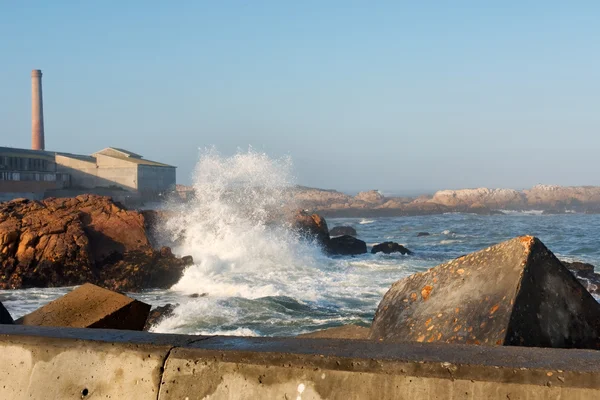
514,293
5,317
90,306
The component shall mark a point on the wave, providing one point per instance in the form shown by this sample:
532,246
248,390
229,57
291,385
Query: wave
366,221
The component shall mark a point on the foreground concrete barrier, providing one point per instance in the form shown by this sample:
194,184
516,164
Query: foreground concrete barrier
68,363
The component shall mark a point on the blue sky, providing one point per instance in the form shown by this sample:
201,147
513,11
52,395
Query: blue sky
394,95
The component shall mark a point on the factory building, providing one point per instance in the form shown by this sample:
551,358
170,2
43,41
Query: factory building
37,172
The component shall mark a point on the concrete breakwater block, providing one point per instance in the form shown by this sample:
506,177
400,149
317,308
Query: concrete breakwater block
514,293
90,306
5,317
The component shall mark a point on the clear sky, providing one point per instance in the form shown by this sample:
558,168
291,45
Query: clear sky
392,95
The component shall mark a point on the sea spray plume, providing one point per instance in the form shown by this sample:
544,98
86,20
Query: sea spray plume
233,228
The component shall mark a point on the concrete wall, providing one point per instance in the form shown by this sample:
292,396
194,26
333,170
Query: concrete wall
119,172
43,363
156,179
83,173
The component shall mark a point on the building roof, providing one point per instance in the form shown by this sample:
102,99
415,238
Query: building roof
129,156
113,152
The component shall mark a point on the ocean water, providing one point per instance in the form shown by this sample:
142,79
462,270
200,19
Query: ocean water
257,277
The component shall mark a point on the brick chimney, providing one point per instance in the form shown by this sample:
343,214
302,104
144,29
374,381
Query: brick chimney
37,111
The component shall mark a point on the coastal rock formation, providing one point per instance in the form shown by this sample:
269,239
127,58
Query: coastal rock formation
312,226
339,332
90,306
342,230
372,196
5,317
491,198
69,241
346,246
389,248
514,293
552,196
159,314
421,234
585,274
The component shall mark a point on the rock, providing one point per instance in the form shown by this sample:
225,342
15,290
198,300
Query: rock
372,196
514,293
5,317
68,242
144,269
421,234
342,230
390,247
90,306
339,332
312,226
585,274
158,314
346,245
197,295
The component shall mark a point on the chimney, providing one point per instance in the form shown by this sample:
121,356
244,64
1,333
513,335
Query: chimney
37,111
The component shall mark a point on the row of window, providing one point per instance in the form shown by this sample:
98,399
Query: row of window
33,176
23,164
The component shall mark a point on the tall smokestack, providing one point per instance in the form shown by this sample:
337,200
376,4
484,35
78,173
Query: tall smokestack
37,111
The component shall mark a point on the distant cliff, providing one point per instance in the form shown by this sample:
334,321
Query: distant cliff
549,198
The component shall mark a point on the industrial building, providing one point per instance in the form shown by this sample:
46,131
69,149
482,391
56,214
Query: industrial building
37,173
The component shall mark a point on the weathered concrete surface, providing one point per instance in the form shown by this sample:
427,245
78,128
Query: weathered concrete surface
90,306
48,363
515,293
46,367
5,317
339,332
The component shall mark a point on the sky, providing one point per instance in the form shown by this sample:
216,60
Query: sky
399,96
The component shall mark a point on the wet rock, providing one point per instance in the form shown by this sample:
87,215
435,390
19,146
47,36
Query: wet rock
514,293
339,332
346,245
68,241
197,295
342,230
390,247
5,317
159,314
585,274
90,306
421,234
144,269
312,226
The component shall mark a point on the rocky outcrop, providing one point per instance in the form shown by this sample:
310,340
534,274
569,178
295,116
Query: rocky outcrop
71,241
585,274
422,234
342,230
484,197
312,226
90,306
346,246
372,196
515,293
159,314
389,248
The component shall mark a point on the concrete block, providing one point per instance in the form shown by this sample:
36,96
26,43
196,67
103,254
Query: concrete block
5,317
514,293
90,306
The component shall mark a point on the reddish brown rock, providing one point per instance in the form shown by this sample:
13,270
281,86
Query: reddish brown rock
90,306
158,314
312,226
515,293
69,241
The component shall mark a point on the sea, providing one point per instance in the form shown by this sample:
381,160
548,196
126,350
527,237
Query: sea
253,277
